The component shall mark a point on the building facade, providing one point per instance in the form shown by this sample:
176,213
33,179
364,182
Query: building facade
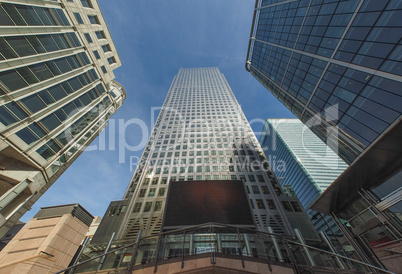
334,64
56,94
201,133
48,241
304,162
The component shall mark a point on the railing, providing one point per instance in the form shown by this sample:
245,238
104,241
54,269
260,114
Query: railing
216,239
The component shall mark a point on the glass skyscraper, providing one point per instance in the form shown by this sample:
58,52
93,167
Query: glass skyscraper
304,162
201,133
56,94
333,64
336,65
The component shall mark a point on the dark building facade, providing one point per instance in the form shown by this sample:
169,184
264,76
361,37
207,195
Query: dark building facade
334,64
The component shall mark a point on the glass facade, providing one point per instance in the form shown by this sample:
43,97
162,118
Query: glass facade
304,162
200,134
333,64
53,99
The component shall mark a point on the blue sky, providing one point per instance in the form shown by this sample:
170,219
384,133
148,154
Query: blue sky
154,40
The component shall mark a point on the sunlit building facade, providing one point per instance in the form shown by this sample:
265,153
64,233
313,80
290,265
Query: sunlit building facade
308,165
56,94
201,134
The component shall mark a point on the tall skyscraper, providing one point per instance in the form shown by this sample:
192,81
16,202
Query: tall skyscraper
336,65
201,133
304,162
333,64
56,94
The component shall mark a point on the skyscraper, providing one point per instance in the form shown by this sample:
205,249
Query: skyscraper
333,64
56,94
336,65
307,164
201,133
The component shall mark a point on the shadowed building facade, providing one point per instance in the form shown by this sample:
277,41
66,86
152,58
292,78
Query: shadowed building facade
56,94
336,65
333,64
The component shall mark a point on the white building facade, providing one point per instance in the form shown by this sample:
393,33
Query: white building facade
56,94
201,133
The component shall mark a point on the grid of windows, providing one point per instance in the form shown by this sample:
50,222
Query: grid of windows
16,79
201,134
53,102
21,46
304,163
302,50
22,15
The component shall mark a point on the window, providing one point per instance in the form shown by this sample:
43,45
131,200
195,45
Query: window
158,206
121,210
161,192
271,204
86,4
137,207
255,189
100,34
152,192
106,48
112,211
78,18
93,19
264,189
105,71
88,37
142,192
96,54
147,206
260,204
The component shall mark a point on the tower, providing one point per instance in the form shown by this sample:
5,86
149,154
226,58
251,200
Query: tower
310,166
201,133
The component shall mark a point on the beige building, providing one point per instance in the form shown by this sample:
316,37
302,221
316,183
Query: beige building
56,94
48,242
